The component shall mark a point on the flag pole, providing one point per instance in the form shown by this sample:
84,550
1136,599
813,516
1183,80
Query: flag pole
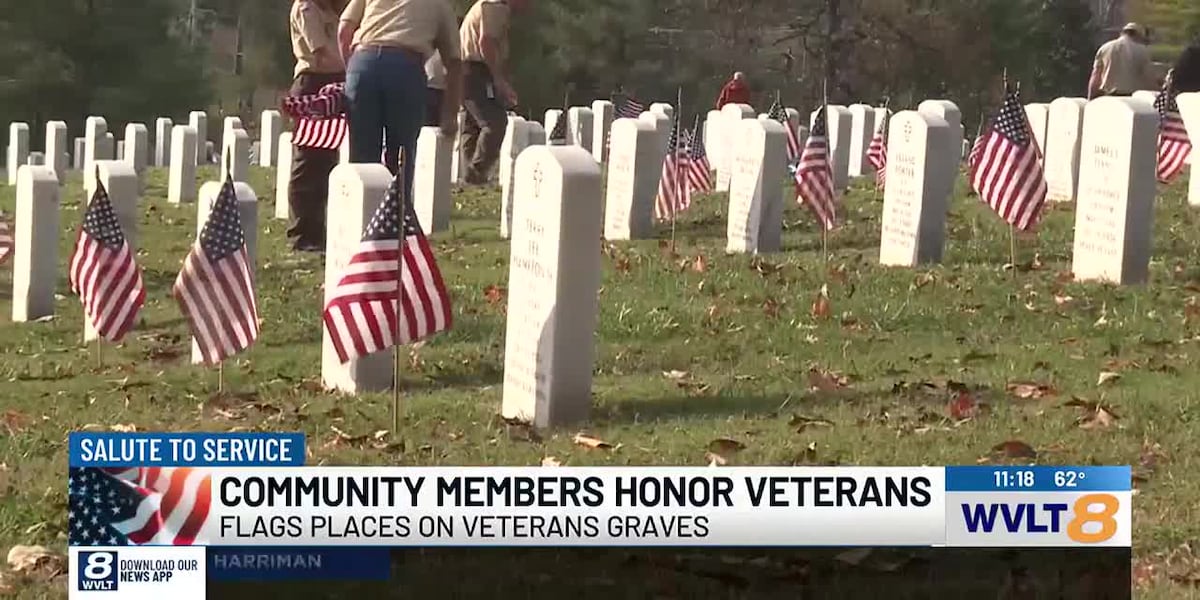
403,206
1012,229
674,150
825,105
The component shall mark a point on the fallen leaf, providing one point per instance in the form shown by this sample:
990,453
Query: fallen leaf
922,280
853,557
714,460
1107,377
494,294
1100,418
1015,449
801,422
820,306
595,443
551,461
128,428
36,560
622,265
1028,391
770,308
675,375
838,273
14,421
826,381
964,406
700,264
721,450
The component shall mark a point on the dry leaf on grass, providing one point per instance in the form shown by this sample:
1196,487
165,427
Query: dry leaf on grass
595,443
770,308
700,264
36,560
1030,391
801,423
675,375
922,280
965,405
551,461
494,294
1015,449
1107,377
14,421
124,428
826,381
622,264
1101,418
820,307
721,450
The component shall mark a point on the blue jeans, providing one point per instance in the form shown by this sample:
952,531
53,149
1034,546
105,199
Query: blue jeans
385,93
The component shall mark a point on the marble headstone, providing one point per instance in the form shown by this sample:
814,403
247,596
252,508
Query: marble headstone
283,177
634,169
237,146
18,149
95,133
1189,110
722,162
515,140
162,141
602,120
916,199
862,129
1038,114
1063,129
579,127
431,180
181,181
838,126
755,195
270,125
57,156
35,244
137,147
198,121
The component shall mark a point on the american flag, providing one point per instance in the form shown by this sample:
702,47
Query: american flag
361,315
103,271
877,151
673,194
558,133
320,118
215,288
136,506
624,107
779,113
698,171
1008,175
1173,143
6,240
814,176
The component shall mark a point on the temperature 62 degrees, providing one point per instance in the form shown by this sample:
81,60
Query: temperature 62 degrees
1069,479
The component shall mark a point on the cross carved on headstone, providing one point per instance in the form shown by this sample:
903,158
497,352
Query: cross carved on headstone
537,182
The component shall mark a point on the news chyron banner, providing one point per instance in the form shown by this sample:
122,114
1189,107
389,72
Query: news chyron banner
158,514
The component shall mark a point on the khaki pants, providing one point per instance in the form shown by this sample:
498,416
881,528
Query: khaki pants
308,190
486,121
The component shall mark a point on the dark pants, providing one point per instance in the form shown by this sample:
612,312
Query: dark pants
308,189
483,131
385,93
433,107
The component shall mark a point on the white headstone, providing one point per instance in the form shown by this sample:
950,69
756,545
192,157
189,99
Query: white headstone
1038,114
714,143
18,149
162,142
837,122
78,157
755,197
108,151
862,129
458,160
229,125
663,108
238,147
283,177
535,135
36,159
35,244
1114,208
56,149
357,190
551,119
515,140
915,201
1189,110
952,154
95,133
248,214
431,180
727,136
120,150
344,150
1146,96
579,127
553,285
270,125
137,147
181,181
210,153
198,121
1062,148
662,130
602,119
121,183
634,168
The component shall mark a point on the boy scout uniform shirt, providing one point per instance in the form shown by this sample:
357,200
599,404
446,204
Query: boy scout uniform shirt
419,25
313,28
1124,66
488,18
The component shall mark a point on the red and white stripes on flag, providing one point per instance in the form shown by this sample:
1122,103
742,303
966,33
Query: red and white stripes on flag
1008,175
697,169
361,315
877,151
326,134
673,194
779,113
1174,146
103,271
215,288
174,507
320,118
814,175
6,240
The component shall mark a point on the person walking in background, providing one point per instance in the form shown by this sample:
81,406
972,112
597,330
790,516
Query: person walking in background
435,89
1185,74
489,90
1123,65
386,44
735,91
313,25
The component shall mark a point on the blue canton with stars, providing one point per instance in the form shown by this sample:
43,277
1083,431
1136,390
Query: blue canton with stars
559,132
696,144
100,222
1010,121
222,233
96,502
1165,103
778,113
385,224
819,124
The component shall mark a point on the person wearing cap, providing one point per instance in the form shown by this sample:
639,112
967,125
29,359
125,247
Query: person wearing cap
1123,65
385,44
1185,74
489,91
435,89
735,91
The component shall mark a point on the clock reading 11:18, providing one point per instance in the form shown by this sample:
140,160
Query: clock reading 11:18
1010,479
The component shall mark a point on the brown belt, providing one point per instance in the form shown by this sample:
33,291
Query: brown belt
413,54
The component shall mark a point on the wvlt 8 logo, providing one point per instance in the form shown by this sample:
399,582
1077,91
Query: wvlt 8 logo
1091,519
98,571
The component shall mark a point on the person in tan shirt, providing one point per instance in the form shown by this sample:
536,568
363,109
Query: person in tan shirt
1122,66
489,93
385,44
313,25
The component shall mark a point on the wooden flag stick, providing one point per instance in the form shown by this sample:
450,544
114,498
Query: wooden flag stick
221,377
674,150
400,293
99,348
1012,248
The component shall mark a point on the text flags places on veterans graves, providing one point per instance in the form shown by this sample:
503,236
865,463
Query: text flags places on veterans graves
391,287
103,270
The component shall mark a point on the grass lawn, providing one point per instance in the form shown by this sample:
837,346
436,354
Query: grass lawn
691,348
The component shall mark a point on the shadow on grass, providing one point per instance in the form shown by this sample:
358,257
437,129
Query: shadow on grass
687,407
